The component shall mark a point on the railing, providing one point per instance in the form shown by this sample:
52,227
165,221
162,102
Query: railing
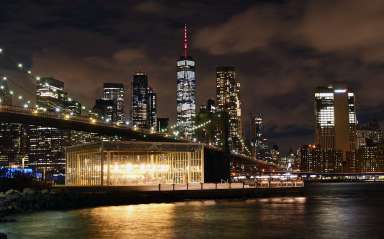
222,186
191,186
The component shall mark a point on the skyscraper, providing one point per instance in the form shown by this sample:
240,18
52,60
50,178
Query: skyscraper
11,134
228,100
162,124
12,144
186,91
370,153
152,109
72,107
106,109
208,124
46,144
140,100
46,149
50,94
256,135
209,107
115,92
335,116
144,103
5,96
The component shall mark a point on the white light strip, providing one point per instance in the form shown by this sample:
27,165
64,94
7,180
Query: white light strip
340,90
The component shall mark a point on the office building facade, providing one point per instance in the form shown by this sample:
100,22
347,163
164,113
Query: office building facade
370,153
106,110
208,125
335,122
162,125
335,116
228,100
317,160
115,92
13,147
46,144
259,144
152,109
50,95
5,95
144,103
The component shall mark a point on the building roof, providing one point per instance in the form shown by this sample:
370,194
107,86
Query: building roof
137,146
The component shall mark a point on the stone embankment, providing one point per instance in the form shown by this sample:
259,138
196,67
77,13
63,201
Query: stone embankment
13,201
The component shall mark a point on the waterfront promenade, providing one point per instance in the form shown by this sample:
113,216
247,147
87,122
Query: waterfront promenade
78,196
71,197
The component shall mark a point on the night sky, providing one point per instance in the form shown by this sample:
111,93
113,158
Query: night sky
282,50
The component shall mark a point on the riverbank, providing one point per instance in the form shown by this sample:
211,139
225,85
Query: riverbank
29,200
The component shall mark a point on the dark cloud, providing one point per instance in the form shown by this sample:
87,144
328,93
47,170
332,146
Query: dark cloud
149,7
346,26
249,30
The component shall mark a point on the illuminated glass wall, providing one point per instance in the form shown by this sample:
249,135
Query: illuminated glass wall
134,163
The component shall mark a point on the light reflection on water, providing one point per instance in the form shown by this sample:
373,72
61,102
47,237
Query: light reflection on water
130,221
327,211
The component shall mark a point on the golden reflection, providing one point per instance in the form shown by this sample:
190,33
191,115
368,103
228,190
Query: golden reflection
251,201
209,202
196,203
281,200
141,219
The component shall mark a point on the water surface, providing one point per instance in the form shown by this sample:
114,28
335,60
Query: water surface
324,211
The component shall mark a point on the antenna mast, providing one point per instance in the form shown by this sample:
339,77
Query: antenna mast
185,41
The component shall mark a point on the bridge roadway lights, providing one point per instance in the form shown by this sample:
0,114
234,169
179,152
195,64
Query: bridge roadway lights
35,117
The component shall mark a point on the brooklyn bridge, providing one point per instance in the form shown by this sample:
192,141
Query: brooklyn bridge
21,116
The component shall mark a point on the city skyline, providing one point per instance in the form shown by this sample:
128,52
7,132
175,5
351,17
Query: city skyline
191,119
272,65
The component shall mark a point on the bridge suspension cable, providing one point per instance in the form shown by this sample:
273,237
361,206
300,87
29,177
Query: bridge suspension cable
243,145
21,68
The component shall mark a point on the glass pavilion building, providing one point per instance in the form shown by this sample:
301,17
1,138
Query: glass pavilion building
133,163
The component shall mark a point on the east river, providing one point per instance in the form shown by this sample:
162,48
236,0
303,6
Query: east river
324,211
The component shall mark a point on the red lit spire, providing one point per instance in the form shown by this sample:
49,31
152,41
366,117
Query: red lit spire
185,41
